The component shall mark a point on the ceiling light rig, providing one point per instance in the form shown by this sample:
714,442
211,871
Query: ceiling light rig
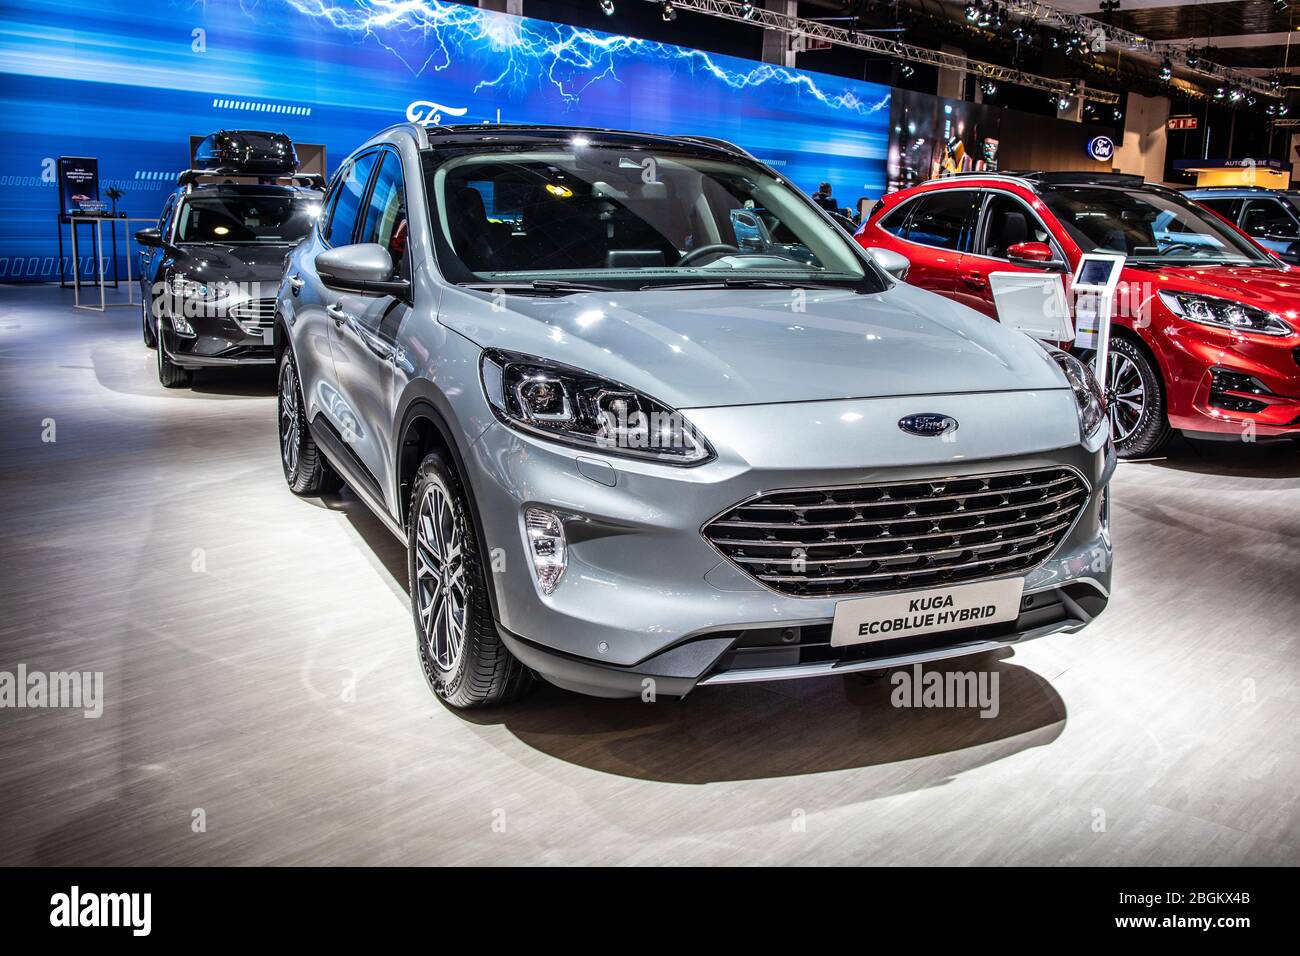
733,10
667,11
607,7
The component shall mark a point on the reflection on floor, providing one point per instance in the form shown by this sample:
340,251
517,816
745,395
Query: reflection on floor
259,667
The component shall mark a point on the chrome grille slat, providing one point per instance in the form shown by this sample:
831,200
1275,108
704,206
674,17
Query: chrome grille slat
869,559
886,502
899,520
254,316
837,542
965,529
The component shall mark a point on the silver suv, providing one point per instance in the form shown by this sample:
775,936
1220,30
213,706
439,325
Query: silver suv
648,419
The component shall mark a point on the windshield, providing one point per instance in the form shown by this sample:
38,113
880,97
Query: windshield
1148,227
622,218
246,219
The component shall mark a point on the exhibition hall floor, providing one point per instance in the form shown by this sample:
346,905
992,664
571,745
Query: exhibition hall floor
263,704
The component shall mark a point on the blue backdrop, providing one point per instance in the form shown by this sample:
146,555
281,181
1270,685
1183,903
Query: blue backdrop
130,82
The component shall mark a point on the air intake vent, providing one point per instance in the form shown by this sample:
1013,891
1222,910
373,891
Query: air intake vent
255,316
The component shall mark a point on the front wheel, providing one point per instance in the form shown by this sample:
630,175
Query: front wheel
150,339
462,655
305,469
170,375
1135,401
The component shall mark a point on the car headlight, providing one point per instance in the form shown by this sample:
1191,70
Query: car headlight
178,285
1087,390
577,408
1224,313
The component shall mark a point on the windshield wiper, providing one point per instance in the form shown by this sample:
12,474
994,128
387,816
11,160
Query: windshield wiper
536,287
736,282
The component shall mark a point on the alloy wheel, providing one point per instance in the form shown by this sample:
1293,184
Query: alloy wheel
442,595
1126,396
289,417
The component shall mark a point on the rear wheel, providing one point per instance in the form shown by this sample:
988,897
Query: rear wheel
305,469
1135,401
171,375
462,655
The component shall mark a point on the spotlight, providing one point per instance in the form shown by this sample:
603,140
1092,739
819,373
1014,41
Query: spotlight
1281,5
747,10
1062,101
1192,58
1117,114
1220,93
1276,109
1236,94
1166,70
906,69
607,7
668,12
972,13
989,87
1250,100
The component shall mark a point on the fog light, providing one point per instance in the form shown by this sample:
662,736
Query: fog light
180,325
546,546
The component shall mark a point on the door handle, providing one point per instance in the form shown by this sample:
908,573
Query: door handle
975,280
335,312
295,284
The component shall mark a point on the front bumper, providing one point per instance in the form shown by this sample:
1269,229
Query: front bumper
219,340
645,595
1201,361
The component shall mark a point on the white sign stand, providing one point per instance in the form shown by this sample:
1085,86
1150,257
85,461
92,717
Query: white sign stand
1095,280
1034,303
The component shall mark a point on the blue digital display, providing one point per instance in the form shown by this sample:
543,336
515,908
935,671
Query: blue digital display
129,83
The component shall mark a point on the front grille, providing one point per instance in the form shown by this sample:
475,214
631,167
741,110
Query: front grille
867,538
254,316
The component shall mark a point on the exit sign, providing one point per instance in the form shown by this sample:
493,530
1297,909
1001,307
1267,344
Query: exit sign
1182,122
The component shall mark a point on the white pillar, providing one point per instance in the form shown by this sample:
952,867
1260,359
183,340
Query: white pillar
1145,137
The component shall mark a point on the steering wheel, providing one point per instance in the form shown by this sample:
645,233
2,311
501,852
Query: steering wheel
1180,245
717,248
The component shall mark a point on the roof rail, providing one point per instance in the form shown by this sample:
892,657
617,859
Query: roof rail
1080,177
418,130
1018,178
190,178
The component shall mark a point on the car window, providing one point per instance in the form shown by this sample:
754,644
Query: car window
941,218
350,191
1008,222
896,222
1267,217
610,215
1227,208
245,218
385,221
1148,225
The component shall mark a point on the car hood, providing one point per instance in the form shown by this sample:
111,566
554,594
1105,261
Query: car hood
694,348
1277,290
233,263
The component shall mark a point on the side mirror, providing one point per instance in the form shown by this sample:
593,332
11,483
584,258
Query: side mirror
365,267
892,262
1034,254
150,238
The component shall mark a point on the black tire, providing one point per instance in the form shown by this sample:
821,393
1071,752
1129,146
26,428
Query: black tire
1132,376
306,471
171,375
482,672
150,338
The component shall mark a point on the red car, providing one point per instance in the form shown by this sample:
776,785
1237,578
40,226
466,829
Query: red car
1205,332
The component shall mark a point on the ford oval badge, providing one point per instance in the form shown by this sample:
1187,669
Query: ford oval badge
928,424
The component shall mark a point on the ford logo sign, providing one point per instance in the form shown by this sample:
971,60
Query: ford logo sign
928,424
1101,148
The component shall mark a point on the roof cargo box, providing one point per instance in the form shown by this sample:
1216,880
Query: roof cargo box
246,151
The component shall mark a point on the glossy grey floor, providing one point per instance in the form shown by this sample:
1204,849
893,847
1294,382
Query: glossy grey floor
259,667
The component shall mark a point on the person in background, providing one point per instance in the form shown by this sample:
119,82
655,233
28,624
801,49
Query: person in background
825,199
862,210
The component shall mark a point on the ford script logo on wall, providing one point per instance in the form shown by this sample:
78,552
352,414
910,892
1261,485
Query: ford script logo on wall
1101,148
428,113
928,424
